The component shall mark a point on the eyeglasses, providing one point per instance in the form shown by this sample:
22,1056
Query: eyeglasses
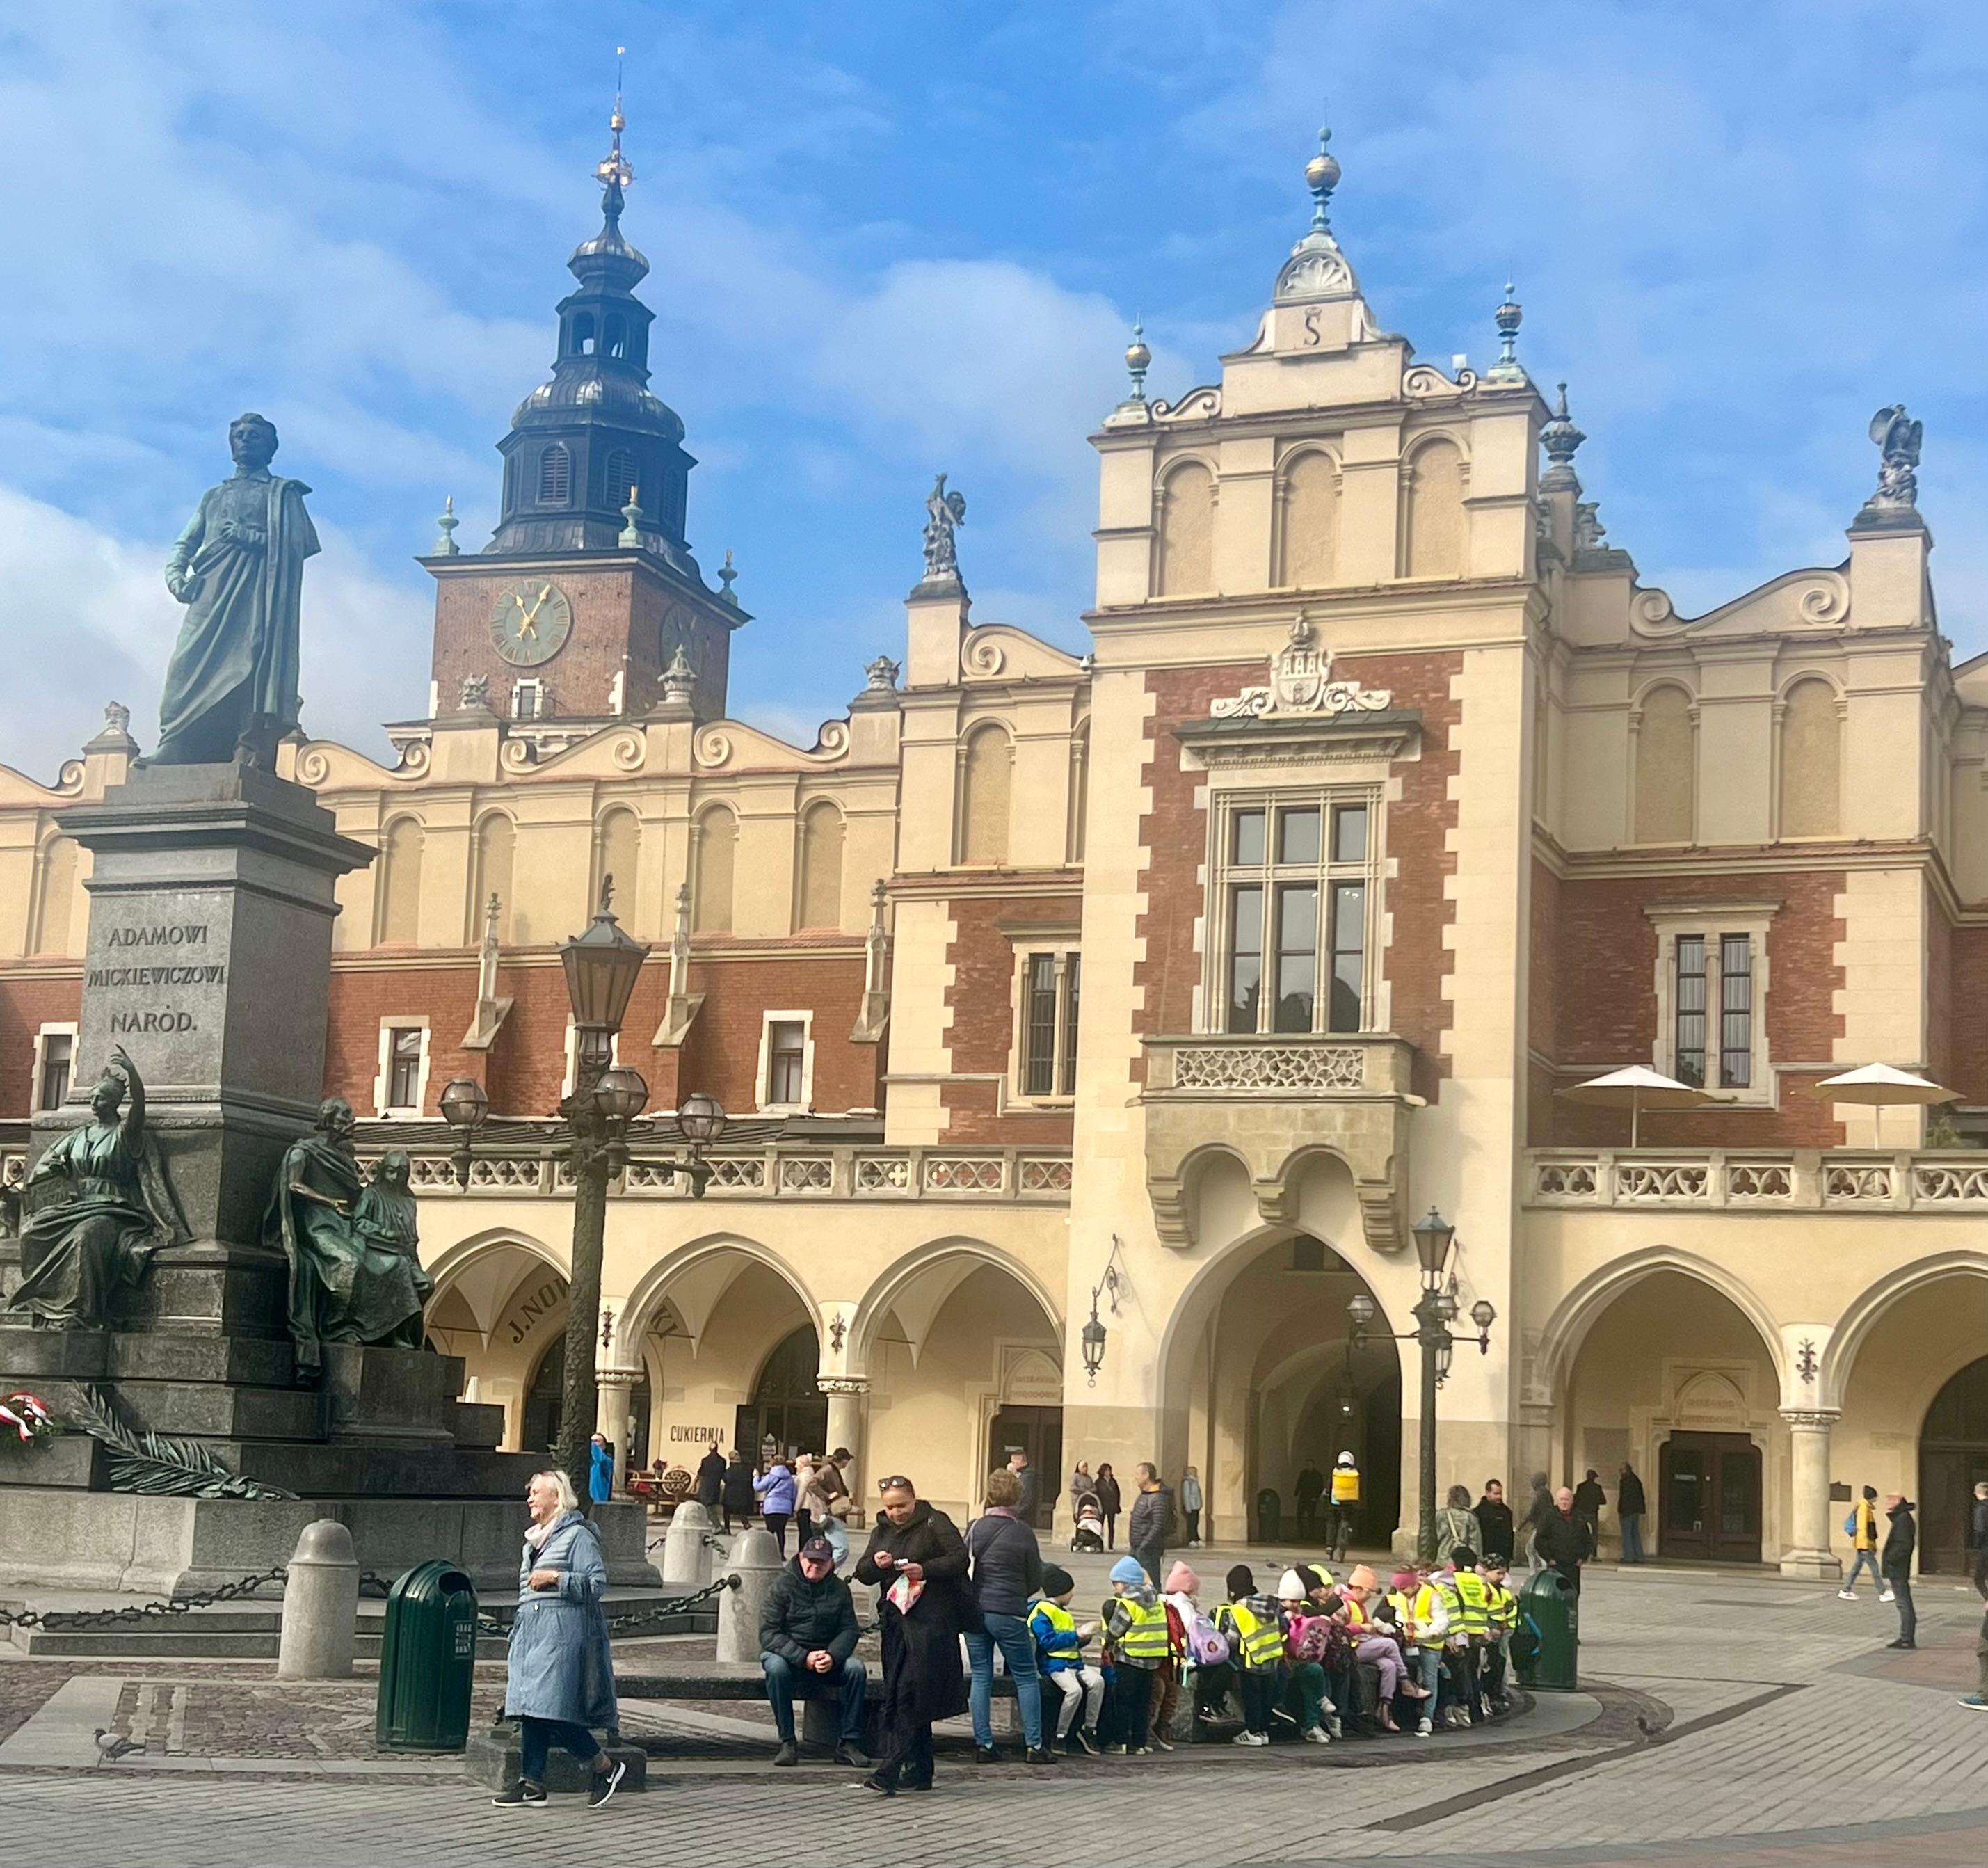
896,1483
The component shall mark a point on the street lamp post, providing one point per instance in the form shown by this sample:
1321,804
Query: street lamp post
601,967
1435,1310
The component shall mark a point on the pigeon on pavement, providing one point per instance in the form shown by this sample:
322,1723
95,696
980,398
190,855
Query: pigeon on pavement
111,1746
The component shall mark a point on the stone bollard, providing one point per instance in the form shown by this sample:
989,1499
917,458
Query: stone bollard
755,1560
320,1605
686,1555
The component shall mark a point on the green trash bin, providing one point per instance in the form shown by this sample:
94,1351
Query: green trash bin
1546,1648
1269,1517
427,1660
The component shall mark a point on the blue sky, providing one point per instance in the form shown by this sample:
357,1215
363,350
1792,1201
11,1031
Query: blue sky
889,239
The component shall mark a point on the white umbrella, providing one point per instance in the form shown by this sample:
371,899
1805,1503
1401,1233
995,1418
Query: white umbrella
1883,1088
1636,1088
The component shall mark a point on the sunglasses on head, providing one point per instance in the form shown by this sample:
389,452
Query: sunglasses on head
896,1483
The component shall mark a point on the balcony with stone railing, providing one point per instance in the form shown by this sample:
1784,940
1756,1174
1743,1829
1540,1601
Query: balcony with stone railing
1795,1180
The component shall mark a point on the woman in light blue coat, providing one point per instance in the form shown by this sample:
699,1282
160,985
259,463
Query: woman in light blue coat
562,1674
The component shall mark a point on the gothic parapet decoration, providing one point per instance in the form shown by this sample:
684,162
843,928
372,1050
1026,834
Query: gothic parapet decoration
1301,683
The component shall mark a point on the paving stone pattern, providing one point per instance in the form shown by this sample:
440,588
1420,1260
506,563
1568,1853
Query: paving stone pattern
1782,1733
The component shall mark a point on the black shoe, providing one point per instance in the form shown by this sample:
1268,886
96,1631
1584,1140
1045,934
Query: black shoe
985,1754
605,1783
1901,1644
873,1781
1042,1754
1081,1740
916,1783
522,1794
789,1753
852,1755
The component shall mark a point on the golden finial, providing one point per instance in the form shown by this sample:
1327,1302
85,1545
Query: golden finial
613,170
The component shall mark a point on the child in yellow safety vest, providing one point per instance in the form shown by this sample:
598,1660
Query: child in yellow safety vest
1255,1631
1136,1647
1468,1598
1504,1619
1060,1660
1423,1620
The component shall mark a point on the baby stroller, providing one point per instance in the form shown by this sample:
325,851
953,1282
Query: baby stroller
1088,1533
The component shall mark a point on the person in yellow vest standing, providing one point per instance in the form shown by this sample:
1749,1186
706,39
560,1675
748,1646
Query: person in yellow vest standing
1862,1526
1135,1633
1345,1503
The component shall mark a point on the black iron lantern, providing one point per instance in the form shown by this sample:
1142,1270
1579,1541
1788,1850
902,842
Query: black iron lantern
1433,1234
1361,1311
700,1118
465,1103
601,965
1092,1336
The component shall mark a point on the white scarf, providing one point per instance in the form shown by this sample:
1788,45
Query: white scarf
535,1534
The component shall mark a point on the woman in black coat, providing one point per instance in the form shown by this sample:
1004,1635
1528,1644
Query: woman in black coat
741,1501
711,1479
917,1563
1108,1502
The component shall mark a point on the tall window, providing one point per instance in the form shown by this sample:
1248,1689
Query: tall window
986,779
1295,875
1665,767
717,846
1051,984
400,873
58,1061
555,475
1310,520
403,1067
786,1061
527,700
821,892
1714,973
620,477
1187,531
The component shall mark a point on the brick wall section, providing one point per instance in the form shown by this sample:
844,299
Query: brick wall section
1174,832
26,1006
1607,1008
524,1073
1966,1067
982,1001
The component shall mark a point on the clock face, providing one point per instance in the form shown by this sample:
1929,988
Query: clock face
530,621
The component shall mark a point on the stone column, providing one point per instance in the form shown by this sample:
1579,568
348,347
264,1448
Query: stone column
610,1414
1809,1554
847,1416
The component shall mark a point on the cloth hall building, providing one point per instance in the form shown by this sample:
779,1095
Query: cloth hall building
1390,803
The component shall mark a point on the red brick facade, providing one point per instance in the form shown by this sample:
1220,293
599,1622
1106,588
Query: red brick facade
26,1006
1174,832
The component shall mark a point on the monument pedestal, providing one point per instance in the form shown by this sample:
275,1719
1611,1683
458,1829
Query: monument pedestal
212,897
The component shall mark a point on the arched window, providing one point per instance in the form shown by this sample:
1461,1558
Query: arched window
1432,511
56,901
617,843
400,883
1187,531
985,779
496,849
620,477
614,338
555,475
1310,521
717,854
1811,799
1666,763
821,867
582,334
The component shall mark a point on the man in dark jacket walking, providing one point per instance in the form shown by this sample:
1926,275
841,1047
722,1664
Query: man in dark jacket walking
1896,1561
1152,1519
1564,1540
1630,1506
710,1478
1588,1500
1494,1536
807,1646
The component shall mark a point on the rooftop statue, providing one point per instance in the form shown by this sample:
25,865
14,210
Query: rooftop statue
231,684
944,513
115,1209
1897,437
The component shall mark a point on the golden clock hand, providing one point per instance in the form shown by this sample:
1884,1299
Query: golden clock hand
531,615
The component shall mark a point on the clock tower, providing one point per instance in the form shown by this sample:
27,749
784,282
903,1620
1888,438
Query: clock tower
587,589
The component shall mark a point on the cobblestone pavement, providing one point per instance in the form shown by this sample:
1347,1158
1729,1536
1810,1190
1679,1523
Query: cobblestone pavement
1743,1720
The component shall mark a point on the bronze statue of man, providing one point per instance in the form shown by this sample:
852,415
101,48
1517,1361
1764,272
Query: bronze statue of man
232,686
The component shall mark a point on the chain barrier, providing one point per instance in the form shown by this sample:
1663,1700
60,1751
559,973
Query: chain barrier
370,1583
160,1610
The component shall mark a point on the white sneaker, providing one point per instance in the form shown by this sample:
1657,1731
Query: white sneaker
1846,1594
1424,1728
1317,1735
1335,1725
1886,1596
1251,1738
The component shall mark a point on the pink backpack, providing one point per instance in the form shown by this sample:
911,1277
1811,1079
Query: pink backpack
1206,1643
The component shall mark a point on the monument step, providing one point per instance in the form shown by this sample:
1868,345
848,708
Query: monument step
218,1410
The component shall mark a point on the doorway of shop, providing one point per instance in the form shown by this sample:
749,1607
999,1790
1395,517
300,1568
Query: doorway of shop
1709,1497
1038,1431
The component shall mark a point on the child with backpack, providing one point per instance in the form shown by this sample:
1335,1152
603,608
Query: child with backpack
1255,1629
1178,1600
1060,1660
1504,1619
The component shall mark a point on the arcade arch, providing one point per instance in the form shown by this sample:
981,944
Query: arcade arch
499,1302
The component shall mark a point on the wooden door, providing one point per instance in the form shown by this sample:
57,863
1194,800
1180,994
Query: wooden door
1709,1498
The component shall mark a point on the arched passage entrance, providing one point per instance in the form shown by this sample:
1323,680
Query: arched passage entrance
1263,1386
1674,1377
1953,1459
787,1411
498,1302
963,1350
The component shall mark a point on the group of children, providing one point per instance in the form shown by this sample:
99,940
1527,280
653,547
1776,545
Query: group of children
1319,1654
